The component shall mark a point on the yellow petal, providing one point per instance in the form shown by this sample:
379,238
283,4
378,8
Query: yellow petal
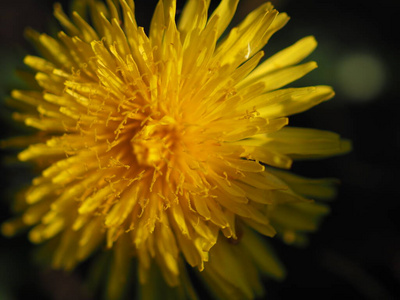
40,150
306,143
324,188
120,267
263,254
64,20
297,104
225,11
298,216
193,16
285,58
88,33
281,77
244,40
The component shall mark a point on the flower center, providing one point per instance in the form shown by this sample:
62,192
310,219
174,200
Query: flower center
155,143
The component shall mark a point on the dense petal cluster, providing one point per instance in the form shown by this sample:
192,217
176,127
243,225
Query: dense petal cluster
166,146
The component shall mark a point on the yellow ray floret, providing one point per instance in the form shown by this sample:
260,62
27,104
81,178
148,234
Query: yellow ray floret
159,145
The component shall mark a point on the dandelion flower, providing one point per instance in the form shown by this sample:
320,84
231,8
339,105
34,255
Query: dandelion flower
166,147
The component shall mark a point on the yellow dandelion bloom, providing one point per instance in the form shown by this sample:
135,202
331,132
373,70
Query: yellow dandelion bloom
165,147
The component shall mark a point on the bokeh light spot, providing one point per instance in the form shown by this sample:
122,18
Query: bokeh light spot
361,76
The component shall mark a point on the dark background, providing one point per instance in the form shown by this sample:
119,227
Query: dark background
356,252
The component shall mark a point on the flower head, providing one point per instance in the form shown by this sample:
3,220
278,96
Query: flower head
166,146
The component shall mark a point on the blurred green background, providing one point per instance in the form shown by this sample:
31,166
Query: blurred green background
356,253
